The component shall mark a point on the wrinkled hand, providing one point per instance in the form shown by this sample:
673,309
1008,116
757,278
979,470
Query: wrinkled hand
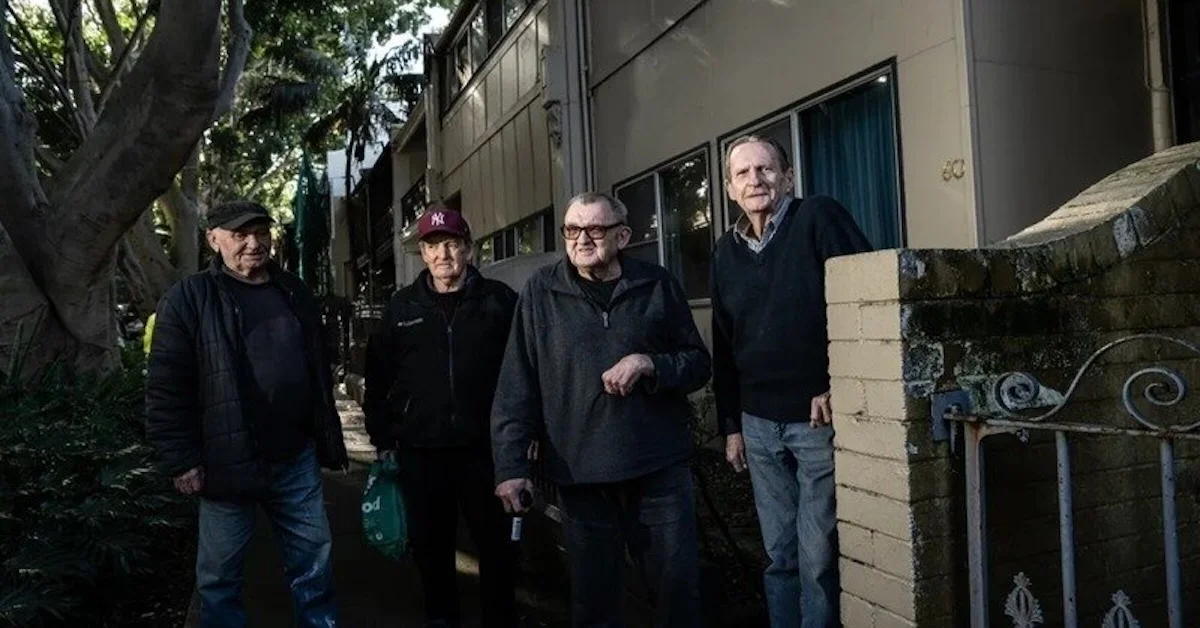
620,379
385,454
820,412
191,482
735,452
509,492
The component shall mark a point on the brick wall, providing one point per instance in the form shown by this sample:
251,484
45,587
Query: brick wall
1122,258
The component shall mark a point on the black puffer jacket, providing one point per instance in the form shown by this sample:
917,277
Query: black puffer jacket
195,385
430,379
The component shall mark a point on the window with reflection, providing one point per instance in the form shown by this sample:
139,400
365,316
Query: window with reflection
670,214
687,222
640,200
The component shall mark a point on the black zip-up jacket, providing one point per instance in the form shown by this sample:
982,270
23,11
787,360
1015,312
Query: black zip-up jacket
770,336
430,377
550,386
196,385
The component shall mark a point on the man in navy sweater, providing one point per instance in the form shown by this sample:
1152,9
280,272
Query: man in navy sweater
771,372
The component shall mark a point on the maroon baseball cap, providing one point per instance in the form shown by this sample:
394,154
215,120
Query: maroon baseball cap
440,219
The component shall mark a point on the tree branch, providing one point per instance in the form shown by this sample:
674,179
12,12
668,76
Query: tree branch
112,28
287,159
51,162
120,68
42,67
237,53
135,150
24,199
68,14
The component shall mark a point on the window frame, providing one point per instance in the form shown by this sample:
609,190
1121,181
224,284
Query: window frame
655,171
793,111
498,241
491,44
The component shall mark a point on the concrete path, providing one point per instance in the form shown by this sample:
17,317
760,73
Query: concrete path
373,590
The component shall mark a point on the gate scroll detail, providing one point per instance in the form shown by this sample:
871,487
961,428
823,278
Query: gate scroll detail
1020,403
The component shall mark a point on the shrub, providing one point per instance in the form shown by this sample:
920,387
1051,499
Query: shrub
83,516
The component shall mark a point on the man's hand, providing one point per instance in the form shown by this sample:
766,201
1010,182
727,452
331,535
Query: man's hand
385,454
735,452
509,492
820,413
191,482
620,379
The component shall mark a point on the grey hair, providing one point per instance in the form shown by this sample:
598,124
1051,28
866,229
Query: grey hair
781,155
590,198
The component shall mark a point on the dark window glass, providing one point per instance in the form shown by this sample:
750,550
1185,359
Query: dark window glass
529,237
512,11
486,254
638,198
462,61
549,236
479,43
495,22
687,223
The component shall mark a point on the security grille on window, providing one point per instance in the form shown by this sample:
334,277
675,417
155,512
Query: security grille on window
847,149
671,219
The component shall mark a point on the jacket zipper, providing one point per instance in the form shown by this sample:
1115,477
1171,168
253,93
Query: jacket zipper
604,313
450,346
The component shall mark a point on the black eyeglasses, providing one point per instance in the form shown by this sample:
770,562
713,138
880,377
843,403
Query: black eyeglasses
595,232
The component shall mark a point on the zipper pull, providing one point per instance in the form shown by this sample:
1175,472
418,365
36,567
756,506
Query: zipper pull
605,314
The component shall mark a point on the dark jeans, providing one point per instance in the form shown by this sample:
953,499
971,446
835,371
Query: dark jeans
296,509
654,518
791,468
438,484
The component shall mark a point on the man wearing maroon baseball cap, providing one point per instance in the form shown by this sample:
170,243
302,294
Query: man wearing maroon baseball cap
431,375
439,219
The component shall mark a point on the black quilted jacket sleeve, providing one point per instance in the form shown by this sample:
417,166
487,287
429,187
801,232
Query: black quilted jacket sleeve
172,403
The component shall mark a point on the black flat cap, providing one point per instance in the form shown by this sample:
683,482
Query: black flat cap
236,214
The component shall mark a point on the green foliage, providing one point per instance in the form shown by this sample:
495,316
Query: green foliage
82,512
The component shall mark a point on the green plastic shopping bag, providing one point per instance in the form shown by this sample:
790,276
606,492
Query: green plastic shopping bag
383,513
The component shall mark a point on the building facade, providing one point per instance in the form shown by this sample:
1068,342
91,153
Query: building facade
938,123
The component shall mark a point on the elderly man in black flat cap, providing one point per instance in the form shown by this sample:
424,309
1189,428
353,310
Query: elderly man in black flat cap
239,405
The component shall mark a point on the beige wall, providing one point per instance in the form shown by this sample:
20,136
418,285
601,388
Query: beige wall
727,63
1061,102
496,149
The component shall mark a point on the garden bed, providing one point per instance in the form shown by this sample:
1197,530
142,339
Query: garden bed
90,533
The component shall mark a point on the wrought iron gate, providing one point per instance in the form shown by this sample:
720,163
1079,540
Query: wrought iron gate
1013,396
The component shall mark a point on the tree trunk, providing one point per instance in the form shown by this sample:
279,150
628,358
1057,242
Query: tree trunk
58,243
183,217
144,266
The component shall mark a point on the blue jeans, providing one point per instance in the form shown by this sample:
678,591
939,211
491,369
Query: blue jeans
653,517
296,508
791,468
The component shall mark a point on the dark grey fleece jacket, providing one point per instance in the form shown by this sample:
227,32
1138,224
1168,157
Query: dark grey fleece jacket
550,387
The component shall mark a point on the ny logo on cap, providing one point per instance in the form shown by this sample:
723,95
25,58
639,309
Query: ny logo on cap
438,219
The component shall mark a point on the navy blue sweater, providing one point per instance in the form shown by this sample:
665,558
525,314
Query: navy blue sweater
770,338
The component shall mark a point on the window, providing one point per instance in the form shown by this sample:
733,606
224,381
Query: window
486,254
482,32
848,150
531,236
671,219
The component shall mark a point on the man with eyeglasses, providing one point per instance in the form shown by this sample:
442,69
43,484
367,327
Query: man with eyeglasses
602,356
431,375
